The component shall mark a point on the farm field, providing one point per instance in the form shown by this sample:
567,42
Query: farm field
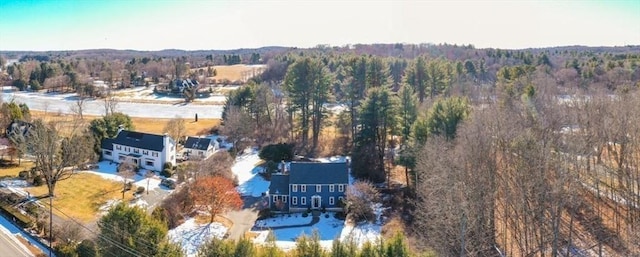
238,72
149,125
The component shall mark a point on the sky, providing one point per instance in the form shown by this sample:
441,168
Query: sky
41,25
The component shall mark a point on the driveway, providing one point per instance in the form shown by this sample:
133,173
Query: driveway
243,220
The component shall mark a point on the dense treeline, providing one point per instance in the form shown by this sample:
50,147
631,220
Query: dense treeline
497,145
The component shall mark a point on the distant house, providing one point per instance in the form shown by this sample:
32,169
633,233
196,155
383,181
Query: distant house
19,127
200,146
309,185
147,151
181,85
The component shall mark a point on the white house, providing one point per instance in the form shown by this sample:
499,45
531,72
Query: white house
201,147
148,151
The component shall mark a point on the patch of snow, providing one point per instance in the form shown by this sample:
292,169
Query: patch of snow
249,180
192,235
13,231
108,170
328,229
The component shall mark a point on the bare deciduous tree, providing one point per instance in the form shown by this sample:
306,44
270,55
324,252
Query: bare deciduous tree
359,201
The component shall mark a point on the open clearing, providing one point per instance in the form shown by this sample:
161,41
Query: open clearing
149,125
82,195
238,72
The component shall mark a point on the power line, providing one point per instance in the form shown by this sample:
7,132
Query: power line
115,243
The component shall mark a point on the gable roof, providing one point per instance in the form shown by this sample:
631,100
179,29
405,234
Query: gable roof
279,184
140,140
198,143
318,173
107,144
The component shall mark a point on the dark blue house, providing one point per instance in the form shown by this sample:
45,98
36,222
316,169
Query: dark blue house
309,185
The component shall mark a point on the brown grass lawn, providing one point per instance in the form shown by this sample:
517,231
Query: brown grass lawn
236,72
81,195
148,125
13,171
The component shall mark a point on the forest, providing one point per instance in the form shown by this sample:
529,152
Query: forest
532,152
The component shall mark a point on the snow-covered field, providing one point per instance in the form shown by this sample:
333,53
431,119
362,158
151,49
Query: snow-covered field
192,235
146,94
61,103
249,181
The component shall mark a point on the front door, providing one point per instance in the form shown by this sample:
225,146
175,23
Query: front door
316,202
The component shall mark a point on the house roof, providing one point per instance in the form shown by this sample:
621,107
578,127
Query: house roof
107,144
279,184
198,143
140,140
318,173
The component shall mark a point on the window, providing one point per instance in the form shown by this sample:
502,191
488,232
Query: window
128,149
145,152
284,198
341,199
303,188
121,158
332,201
332,188
107,152
318,188
154,154
275,198
148,163
303,200
340,188
294,200
118,147
136,150
294,188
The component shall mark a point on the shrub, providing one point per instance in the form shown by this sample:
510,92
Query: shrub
140,190
38,180
277,152
167,170
305,214
128,186
23,174
264,213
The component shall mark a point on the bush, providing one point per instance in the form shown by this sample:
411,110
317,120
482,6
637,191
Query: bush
38,180
305,214
264,213
128,186
277,152
139,190
23,174
167,170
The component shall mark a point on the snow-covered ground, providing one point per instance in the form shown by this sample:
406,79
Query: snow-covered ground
192,235
328,229
61,103
109,170
13,231
146,94
249,181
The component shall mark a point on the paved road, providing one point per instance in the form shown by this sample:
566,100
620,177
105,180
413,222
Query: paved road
61,103
9,245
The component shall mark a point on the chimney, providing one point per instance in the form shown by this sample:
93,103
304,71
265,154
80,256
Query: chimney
120,128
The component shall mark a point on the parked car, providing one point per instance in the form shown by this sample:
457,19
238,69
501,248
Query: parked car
169,183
